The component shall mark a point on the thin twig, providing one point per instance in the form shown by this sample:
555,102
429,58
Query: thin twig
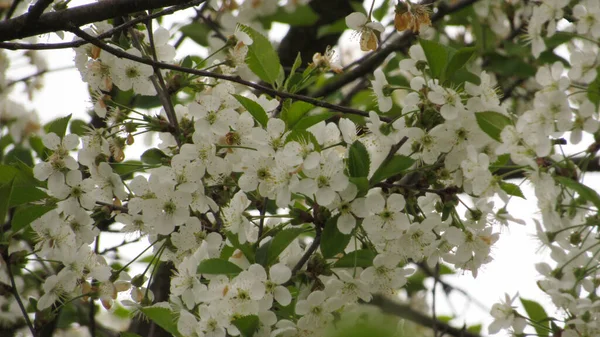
17,297
313,247
162,65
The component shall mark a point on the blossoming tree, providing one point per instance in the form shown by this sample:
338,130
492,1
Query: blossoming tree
289,191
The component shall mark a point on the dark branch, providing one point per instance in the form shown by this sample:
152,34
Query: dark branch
18,28
406,312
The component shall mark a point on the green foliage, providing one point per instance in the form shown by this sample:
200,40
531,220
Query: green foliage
358,258
584,191
538,315
153,156
218,267
302,16
5,196
254,109
396,165
359,162
280,242
594,90
445,61
292,113
26,214
58,126
197,31
512,189
163,317
308,121
492,123
248,325
262,58
25,188
332,241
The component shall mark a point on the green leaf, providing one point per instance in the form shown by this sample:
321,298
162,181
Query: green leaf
24,215
19,153
381,10
594,90
25,185
302,15
79,127
126,169
153,156
537,314
163,317
500,162
292,113
358,258
281,241
584,191
58,126
509,66
335,28
128,334
197,31
396,165
262,58
362,184
309,121
461,76
511,189
248,325
333,241
492,123
303,137
359,161
262,253
245,248
295,66
438,56
458,60
5,196
254,109
218,267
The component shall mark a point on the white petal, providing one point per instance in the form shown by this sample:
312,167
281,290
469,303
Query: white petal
280,273
356,20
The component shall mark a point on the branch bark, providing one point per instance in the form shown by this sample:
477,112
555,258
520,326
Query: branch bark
406,312
18,27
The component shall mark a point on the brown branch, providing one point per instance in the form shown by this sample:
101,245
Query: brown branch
35,11
18,28
373,60
406,312
108,33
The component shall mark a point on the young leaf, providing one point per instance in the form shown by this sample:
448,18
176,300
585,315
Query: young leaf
295,66
309,121
197,31
584,191
396,165
292,113
218,267
262,253
79,127
458,60
163,317
594,90
358,258
153,156
24,215
245,248
281,241
333,241
438,56
58,126
492,123
359,161
538,315
254,109
262,58
511,189
5,195
248,325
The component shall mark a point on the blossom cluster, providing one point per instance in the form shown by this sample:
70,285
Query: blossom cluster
291,222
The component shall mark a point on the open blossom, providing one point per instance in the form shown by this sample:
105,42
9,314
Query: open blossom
379,84
505,317
366,30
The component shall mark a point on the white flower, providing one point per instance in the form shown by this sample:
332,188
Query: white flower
234,219
316,310
379,84
384,276
505,317
365,29
325,179
385,219
450,101
59,161
552,77
131,74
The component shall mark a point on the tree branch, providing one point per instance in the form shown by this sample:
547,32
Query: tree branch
262,88
18,27
406,312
